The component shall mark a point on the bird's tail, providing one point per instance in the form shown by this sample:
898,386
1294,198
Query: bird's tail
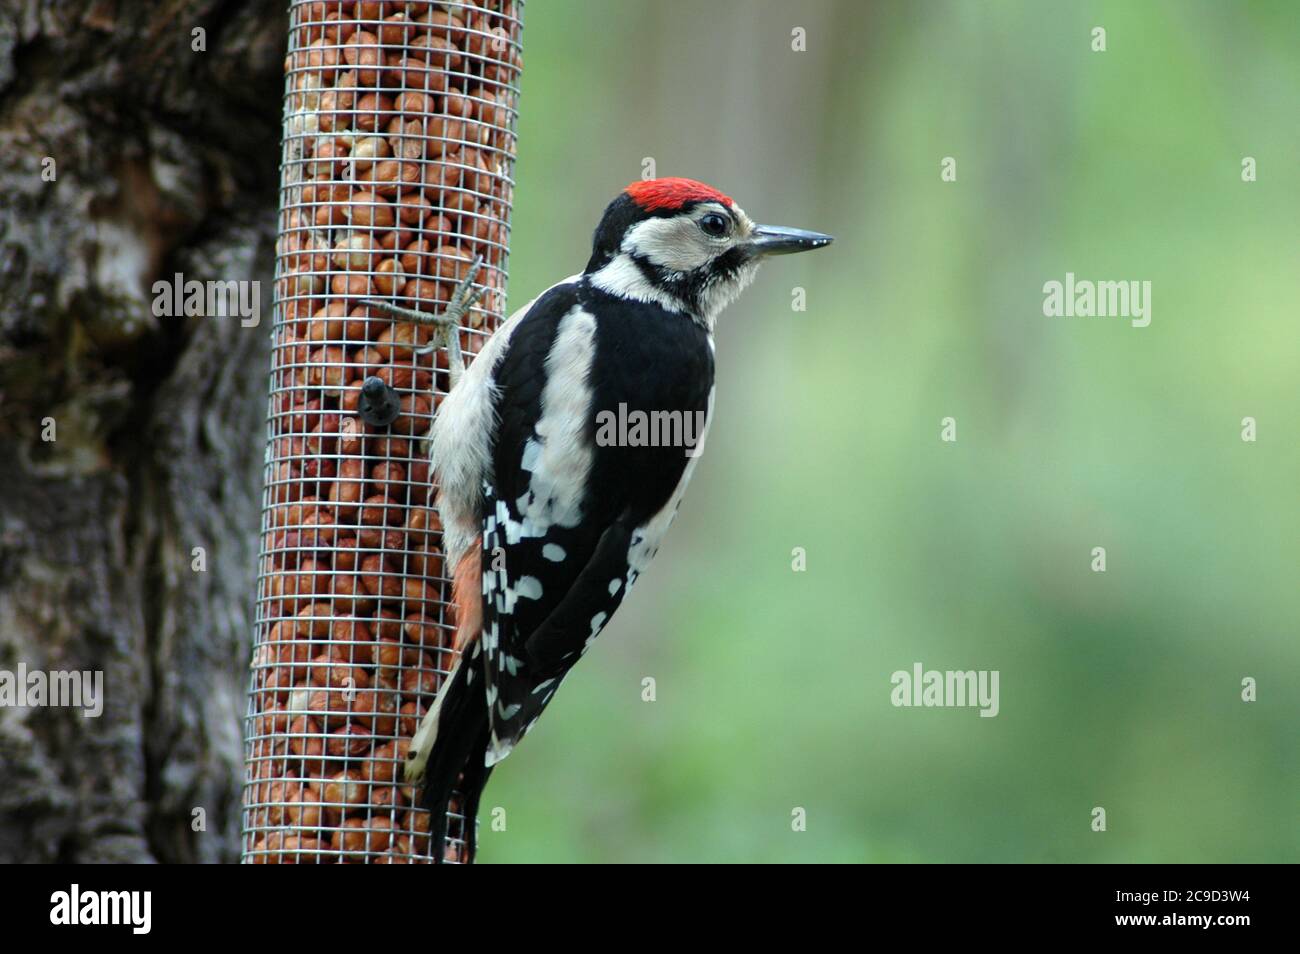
459,745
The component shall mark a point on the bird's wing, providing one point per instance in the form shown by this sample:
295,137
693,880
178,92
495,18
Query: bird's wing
534,540
568,523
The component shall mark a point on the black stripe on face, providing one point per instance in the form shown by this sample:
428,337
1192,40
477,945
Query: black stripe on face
682,286
728,265
689,287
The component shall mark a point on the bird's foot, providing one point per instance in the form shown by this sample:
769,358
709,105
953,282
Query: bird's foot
447,323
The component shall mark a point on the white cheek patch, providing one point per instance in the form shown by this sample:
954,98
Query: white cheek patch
672,243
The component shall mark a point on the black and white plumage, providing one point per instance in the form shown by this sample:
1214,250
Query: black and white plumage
548,527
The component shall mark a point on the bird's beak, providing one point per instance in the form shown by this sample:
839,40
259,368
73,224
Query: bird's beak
779,240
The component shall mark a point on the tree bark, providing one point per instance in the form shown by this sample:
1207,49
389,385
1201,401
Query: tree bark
165,161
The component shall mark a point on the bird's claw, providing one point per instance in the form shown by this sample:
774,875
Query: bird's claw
463,298
466,294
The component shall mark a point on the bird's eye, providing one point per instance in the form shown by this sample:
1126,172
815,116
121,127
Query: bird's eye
715,224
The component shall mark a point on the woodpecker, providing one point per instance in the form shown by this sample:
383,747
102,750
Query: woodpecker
546,524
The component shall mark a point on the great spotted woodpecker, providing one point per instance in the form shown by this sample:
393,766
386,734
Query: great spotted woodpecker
546,525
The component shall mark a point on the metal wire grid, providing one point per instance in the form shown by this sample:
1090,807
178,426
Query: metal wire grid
396,173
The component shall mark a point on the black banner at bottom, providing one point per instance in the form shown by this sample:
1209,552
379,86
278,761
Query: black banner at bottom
212,903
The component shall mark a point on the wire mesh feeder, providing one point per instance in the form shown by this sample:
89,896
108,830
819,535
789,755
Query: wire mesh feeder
396,175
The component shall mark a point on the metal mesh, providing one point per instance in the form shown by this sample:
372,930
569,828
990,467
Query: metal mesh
396,173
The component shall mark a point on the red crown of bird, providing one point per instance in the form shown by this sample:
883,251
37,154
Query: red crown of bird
672,194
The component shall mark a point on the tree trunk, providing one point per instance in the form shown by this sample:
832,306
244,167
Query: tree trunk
164,160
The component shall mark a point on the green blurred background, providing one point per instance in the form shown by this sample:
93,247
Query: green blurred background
1118,689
